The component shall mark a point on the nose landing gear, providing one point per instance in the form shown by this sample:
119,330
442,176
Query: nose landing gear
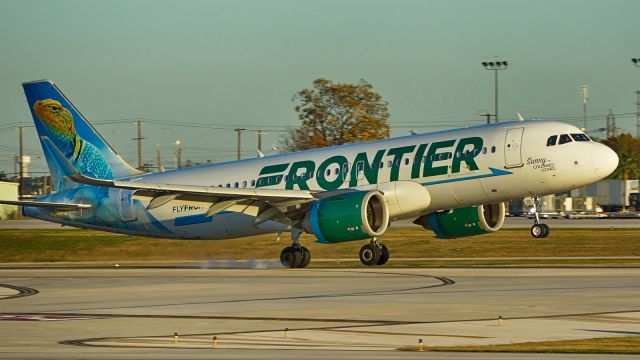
538,230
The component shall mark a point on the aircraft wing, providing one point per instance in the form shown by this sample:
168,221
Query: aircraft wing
210,191
47,204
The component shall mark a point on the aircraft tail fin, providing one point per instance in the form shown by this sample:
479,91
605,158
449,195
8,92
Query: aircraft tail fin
60,124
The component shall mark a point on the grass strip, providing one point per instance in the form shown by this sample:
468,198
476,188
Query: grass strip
608,345
39,245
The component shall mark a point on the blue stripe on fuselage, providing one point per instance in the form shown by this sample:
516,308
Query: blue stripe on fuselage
494,172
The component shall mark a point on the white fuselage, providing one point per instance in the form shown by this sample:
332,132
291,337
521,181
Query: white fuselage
510,160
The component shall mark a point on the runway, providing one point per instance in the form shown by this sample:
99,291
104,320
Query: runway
131,313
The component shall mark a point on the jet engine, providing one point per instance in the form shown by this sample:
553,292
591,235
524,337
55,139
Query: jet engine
468,221
348,216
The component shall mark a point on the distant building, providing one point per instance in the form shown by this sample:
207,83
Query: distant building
8,191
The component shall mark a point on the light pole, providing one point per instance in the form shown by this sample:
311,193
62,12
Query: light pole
178,152
495,66
636,62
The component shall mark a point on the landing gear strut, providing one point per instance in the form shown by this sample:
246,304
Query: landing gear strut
374,253
538,230
296,255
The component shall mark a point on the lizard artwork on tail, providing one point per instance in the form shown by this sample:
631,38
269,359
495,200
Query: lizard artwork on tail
59,125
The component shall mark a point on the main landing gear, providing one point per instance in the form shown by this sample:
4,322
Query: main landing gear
538,230
374,253
296,255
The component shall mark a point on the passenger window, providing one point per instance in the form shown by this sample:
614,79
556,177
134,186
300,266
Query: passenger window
236,185
328,172
244,184
484,150
253,183
552,140
228,185
406,161
337,171
493,149
580,137
389,163
381,165
565,138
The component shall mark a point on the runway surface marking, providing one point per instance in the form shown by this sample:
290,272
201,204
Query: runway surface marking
42,317
353,335
12,291
442,281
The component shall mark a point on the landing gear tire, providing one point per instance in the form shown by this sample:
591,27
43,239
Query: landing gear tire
547,230
295,257
384,255
306,257
539,231
291,257
370,254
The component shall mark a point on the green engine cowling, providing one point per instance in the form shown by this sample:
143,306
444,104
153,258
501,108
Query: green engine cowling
348,216
469,221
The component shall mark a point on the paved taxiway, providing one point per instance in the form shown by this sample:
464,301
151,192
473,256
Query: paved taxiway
331,313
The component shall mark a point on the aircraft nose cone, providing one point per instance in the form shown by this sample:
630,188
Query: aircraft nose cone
605,161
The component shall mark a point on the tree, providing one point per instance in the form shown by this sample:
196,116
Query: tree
334,114
628,149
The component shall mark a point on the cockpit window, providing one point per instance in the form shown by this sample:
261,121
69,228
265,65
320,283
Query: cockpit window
552,140
580,137
565,138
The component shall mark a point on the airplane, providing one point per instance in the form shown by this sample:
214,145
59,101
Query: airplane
453,182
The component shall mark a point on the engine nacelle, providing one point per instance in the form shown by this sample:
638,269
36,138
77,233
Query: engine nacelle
469,221
348,216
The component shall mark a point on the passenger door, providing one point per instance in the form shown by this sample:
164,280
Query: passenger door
512,148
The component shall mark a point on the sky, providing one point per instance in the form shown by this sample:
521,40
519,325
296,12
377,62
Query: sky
194,70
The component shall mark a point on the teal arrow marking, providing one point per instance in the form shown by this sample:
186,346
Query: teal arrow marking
494,172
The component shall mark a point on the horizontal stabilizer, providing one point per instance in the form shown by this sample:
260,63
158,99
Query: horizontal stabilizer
46,204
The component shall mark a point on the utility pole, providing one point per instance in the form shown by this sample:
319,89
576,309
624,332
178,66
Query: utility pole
611,125
15,167
495,66
638,114
139,139
584,91
21,161
239,131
